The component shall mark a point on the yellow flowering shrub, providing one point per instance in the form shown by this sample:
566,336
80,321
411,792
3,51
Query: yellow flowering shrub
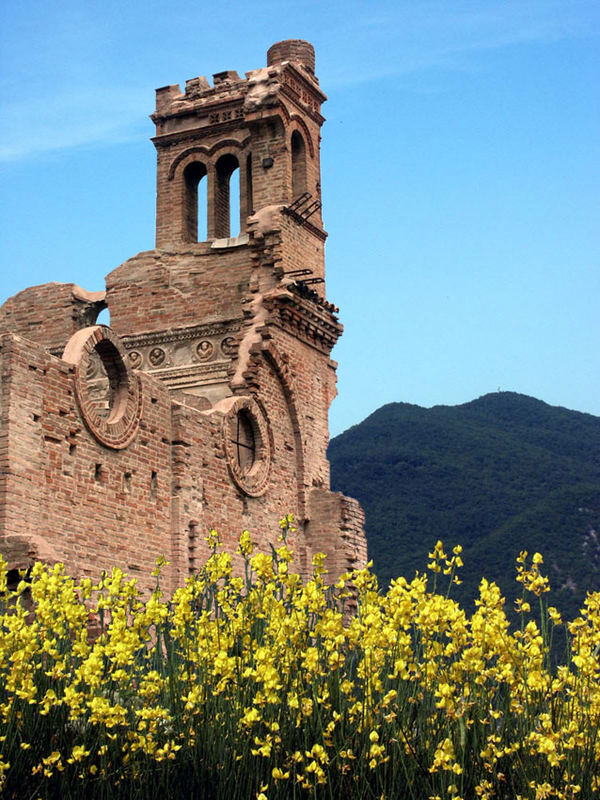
265,686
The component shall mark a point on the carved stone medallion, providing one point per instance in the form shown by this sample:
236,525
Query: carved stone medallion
205,350
135,358
156,356
228,346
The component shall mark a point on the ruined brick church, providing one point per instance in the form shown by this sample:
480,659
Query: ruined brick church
205,403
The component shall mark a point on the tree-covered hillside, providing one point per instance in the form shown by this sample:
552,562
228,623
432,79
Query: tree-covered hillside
498,475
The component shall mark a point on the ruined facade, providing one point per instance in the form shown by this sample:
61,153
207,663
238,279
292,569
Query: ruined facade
205,403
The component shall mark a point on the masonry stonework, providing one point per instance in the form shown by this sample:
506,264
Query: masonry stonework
205,403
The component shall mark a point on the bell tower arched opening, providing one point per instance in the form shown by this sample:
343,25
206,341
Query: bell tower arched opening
249,197
195,202
298,165
227,197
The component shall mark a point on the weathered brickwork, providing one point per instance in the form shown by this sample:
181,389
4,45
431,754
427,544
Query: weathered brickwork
52,313
205,403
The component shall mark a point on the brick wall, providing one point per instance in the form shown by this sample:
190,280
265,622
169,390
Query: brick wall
91,506
67,497
162,289
335,527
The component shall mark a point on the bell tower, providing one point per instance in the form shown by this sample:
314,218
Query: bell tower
254,139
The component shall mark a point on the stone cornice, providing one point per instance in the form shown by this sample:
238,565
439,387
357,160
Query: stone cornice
308,83
300,90
182,334
312,321
286,81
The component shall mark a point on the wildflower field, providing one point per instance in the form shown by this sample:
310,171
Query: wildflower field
265,686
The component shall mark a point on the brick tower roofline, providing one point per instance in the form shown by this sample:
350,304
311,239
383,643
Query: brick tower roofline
297,53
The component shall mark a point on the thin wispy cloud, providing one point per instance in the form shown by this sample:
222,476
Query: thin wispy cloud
63,89
426,35
72,119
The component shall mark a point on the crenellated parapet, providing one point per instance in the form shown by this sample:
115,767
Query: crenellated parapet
287,84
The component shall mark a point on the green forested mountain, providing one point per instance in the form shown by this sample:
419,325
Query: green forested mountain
497,475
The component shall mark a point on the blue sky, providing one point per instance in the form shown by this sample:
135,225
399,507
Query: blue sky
460,177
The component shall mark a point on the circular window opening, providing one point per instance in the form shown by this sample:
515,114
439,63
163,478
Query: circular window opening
243,440
108,393
107,382
248,445
98,386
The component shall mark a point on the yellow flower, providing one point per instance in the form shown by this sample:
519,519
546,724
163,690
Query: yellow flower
279,774
78,754
160,563
246,545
